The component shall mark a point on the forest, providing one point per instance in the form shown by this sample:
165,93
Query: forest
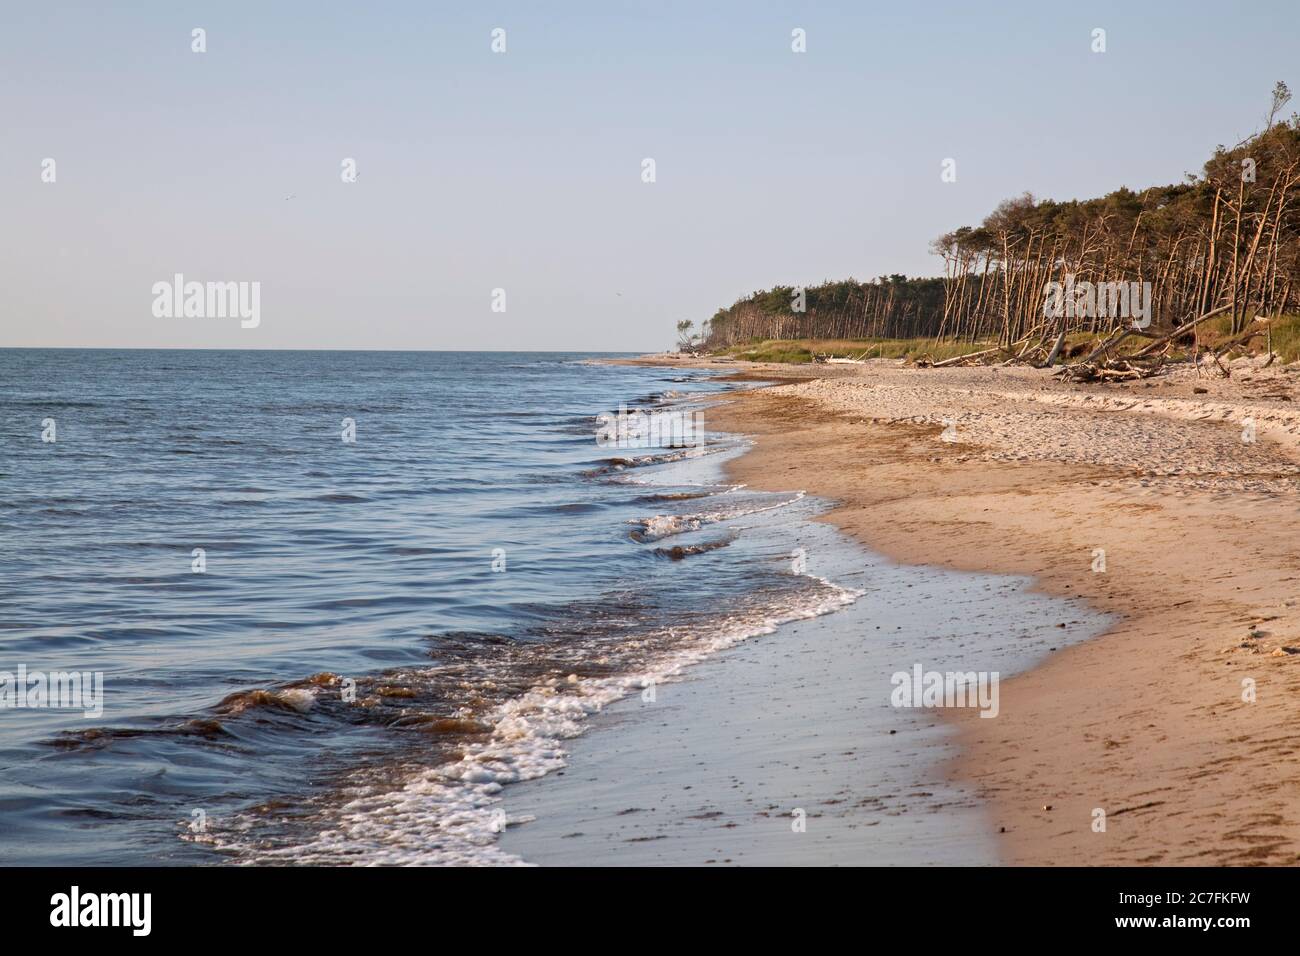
1225,243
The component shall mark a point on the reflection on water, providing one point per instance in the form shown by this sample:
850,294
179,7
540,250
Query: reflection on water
402,622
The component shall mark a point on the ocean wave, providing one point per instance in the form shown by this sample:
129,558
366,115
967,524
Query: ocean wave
679,552
674,496
657,527
207,669
663,456
452,813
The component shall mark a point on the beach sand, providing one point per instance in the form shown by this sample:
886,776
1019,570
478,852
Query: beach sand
1201,533
1176,717
784,749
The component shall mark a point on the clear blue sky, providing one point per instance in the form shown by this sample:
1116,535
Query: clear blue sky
522,171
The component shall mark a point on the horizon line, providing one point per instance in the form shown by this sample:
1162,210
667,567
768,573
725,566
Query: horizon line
190,348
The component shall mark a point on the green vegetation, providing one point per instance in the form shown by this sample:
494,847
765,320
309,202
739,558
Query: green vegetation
1226,239
793,351
1283,330
1285,338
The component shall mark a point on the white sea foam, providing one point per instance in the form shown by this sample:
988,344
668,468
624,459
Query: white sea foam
451,814
662,526
299,699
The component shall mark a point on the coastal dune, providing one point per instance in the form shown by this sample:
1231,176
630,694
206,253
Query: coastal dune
1172,507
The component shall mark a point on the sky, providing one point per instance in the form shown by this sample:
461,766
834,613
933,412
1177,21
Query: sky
522,171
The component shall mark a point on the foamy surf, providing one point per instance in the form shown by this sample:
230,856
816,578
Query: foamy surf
657,527
446,583
452,814
452,806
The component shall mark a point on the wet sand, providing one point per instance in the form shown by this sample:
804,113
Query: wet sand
1172,506
1199,528
785,749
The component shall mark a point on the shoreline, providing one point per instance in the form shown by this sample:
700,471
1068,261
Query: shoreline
796,719
1146,722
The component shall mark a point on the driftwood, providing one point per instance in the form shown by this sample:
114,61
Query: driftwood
1107,344
1056,347
969,357
1030,345
1110,370
1232,343
1101,364
962,359
1181,330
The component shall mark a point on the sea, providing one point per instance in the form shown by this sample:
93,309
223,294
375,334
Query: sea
328,607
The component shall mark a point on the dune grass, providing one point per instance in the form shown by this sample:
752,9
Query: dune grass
795,351
1285,337
1286,343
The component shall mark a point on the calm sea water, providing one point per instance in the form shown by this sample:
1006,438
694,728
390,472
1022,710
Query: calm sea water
386,633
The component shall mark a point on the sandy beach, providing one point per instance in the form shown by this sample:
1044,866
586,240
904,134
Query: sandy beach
718,767
1188,483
